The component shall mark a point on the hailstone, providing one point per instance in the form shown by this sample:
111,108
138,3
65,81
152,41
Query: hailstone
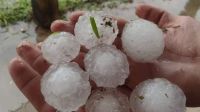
108,100
105,30
60,47
142,40
66,87
107,66
157,95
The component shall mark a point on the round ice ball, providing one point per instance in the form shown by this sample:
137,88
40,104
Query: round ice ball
66,87
142,40
106,27
107,66
108,100
157,95
60,47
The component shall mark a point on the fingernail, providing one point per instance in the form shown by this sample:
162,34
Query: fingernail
16,65
23,48
16,60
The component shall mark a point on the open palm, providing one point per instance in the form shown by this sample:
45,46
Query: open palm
179,63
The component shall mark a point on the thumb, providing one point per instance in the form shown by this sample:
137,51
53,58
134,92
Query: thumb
153,14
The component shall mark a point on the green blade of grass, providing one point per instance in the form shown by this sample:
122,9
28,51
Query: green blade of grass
94,27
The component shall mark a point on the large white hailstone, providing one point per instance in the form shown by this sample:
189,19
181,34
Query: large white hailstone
142,40
60,48
106,26
157,95
66,87
108,100
107,66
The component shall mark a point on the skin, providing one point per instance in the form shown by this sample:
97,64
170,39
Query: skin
179,63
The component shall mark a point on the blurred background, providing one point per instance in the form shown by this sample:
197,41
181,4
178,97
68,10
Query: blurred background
31,19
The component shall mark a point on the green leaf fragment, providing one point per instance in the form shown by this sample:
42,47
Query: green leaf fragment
94,27
55,33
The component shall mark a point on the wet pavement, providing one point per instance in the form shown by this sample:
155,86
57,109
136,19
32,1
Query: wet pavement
10,97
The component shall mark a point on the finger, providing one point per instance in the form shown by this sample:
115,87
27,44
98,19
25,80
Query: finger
125,90
67,26
84,49
75,15
27,81
82,109
18,70
31,54
79,59
139,72
118,43
47,108
60,25
156,15
121,24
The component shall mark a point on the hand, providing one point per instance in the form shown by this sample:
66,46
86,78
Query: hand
179,62
27,69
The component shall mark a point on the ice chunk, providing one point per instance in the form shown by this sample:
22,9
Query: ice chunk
157,95
106,26
60,48
65,87
108,100
142,40
107,66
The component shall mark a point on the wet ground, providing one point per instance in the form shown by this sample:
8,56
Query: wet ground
10,97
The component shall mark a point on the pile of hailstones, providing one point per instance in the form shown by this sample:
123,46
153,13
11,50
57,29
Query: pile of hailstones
66,86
